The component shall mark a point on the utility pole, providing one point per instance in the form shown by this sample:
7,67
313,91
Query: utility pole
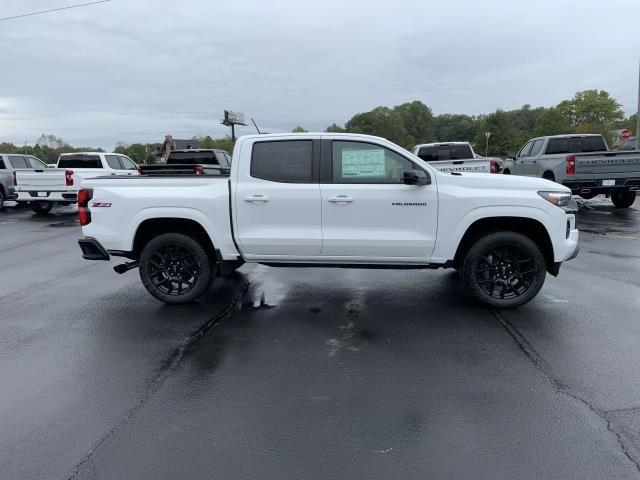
486,150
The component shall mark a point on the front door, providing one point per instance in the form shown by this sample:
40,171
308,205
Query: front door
367,210
277,201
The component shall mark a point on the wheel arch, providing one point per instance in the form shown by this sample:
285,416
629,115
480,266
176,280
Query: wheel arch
152,227
529,227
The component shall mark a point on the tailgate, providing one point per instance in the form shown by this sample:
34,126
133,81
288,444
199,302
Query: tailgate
469,165
37,179
627,163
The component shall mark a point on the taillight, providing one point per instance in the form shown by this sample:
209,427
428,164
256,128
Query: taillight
84,214
571,164
198,170
15,182
493,166
68,178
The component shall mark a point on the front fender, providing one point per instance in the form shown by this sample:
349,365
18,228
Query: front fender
446,247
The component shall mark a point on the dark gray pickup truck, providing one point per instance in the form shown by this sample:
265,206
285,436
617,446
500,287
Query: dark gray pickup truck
583,163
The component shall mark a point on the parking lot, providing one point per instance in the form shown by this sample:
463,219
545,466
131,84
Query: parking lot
316,373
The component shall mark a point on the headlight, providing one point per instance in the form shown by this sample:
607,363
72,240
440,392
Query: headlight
559,199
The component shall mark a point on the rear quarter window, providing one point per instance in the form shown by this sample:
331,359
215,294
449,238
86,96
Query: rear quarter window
80,161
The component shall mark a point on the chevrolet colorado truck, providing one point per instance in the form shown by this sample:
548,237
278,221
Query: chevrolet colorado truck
44,187
330,200
583,163
455,157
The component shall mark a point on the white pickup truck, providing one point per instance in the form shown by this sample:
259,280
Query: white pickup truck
455,157
330,200
42,188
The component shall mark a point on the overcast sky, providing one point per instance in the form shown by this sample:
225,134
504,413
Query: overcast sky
134,70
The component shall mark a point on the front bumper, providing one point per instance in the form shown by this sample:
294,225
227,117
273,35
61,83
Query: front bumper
92,249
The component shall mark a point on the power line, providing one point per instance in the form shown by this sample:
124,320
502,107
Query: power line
54,10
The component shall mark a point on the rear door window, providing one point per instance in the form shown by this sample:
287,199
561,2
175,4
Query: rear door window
18,161
287,161
80,161
113,162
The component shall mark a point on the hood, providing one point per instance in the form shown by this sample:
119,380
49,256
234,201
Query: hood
501,182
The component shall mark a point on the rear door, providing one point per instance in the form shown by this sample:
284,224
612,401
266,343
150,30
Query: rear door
368,211
277,200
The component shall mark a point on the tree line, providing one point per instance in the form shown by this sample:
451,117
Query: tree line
411,123
408,124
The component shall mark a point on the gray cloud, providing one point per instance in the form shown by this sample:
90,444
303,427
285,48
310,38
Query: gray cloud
134,71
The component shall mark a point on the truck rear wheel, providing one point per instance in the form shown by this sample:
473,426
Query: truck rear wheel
41,208
175,268
623,199
504,270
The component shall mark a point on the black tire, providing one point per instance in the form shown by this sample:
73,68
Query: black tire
549,176
623,199
41,208
175,268
506,172
1,199
587,196
504,270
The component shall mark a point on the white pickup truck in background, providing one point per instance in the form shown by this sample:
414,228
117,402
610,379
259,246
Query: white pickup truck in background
330,200
42,188
455,157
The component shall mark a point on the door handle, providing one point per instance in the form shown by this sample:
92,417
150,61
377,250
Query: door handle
256,199
340,199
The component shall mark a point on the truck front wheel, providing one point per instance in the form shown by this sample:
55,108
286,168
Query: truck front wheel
504,269
41,208
623,199
175,268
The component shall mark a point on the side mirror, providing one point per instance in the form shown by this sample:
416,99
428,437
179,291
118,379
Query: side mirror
416,177
511,155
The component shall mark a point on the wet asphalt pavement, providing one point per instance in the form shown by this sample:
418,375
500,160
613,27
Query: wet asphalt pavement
316,373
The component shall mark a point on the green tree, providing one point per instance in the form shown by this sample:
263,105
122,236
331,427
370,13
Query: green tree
299,130
418,122
335,128
592,111
552,122
381,121
455,128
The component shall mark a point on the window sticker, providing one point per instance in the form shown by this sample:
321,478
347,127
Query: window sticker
363,163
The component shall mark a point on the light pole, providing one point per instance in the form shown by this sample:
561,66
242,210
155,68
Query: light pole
638,113
486,150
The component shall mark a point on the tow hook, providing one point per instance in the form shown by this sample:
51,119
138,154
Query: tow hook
125,267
